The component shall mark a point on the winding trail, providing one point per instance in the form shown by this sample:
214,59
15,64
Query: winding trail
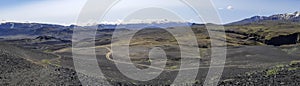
34,62
55,59
109,54
50,61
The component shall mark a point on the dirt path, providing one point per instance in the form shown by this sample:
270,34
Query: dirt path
34,62
46,62
55,59
108,56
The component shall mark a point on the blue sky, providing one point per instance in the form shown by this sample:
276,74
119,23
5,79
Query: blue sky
11,3
66,11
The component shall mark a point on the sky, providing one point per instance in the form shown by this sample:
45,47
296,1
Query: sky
66,12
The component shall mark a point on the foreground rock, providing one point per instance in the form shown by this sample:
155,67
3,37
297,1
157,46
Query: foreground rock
287,75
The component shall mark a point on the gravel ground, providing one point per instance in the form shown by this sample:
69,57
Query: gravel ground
284,75
16,70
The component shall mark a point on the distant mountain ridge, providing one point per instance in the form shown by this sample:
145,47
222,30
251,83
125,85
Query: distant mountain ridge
32,30
143,25
287,17
10,29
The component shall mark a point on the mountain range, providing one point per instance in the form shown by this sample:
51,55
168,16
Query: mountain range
24,30
280,18
31,30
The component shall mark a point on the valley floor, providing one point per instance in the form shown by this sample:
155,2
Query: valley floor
245,65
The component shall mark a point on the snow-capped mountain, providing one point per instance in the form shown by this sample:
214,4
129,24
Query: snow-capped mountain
287,17
147,23
144,25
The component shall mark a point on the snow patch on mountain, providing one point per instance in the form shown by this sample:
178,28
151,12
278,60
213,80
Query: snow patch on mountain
292,17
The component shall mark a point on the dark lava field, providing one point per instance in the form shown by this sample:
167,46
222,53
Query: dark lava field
264,53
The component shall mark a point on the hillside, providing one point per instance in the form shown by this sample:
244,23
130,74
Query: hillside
273,19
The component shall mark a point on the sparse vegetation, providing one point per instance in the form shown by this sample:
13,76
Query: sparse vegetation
48,51
46,61
174,67
272,72
294,62
275,70
291,69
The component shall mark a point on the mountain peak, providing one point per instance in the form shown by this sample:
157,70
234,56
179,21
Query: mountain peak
287,16
291,17
297,13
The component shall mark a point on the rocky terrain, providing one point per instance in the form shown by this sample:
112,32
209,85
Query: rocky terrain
18,69
284,75
260,51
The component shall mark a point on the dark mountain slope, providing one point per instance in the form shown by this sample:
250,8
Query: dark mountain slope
30,30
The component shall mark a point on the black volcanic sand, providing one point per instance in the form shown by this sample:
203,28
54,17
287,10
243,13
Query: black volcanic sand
15,70
240,60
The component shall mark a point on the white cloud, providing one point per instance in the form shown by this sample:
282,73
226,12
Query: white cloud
230,7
